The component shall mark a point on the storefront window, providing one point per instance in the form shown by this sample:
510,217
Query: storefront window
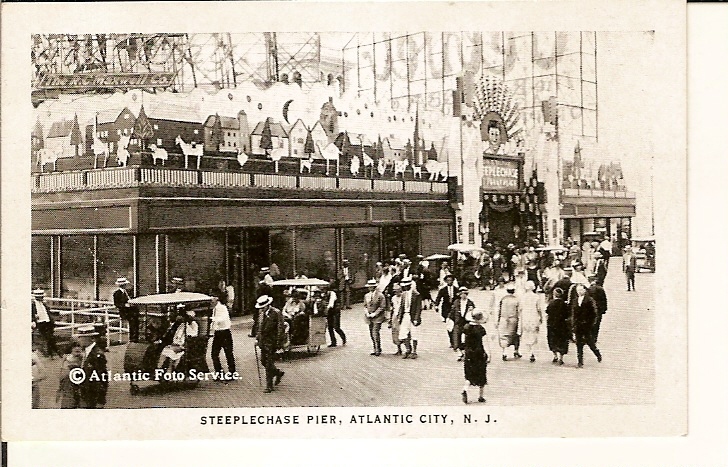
315,253
361,248
281,246
41,262
198,257
401,239
115,255
77,267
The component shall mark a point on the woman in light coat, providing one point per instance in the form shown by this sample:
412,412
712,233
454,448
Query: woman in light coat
530,310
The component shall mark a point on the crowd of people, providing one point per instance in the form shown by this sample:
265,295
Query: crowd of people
526,285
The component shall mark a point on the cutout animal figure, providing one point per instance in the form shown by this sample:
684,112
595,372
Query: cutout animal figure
122,154
368,162
416,171
276,155
355,165
331,153
436,169
158,153
242,158
190,150
99,149
47,155
306,164
400,167
381,167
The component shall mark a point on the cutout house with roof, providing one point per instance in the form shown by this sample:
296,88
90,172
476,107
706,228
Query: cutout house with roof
279,137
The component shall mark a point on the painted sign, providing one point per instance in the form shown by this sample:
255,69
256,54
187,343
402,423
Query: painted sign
86,81
500,175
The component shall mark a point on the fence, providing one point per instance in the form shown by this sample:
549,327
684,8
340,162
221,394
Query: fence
74,314
136,176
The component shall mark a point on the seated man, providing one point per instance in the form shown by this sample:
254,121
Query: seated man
175,338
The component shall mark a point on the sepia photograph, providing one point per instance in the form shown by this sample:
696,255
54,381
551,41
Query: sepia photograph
413,227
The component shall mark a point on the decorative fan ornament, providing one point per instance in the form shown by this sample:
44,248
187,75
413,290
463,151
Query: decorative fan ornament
493,102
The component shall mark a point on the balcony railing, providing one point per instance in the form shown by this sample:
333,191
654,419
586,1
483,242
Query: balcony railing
591,193
126,177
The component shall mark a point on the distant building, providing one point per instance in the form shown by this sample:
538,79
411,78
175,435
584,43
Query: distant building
168,122
320,139
230,138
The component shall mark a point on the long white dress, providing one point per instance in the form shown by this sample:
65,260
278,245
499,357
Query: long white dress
531,316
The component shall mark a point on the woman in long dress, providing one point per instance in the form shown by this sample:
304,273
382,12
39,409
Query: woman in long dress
68,395
557,326
476,355
508,322
531,317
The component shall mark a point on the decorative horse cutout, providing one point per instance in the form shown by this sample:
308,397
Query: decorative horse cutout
416,171
190,150
276,155
368,162
242,158
400,167
307,164
331,153
47,155
122,154
158,153
436,169
99,149
355,165
381,167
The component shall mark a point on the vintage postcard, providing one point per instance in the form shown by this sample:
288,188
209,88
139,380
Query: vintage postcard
424,220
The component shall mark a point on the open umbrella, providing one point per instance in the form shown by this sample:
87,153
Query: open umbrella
465,248
437,256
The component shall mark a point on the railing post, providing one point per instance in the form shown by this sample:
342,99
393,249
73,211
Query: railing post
73,325
106,325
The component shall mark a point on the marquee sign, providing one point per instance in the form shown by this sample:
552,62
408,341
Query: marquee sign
500,175
86,81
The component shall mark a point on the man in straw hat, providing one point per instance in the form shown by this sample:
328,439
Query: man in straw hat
376,306
93,390
127,312
42,320
409,317
270,338
264,287
476,355
629,266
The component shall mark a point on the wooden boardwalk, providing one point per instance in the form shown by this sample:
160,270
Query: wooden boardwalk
347,376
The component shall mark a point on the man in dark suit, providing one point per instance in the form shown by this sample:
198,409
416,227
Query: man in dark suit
345,279
601,268
42,320
93,389
271,337
460,313
597,293
584,316
410,318
127,312
445,297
